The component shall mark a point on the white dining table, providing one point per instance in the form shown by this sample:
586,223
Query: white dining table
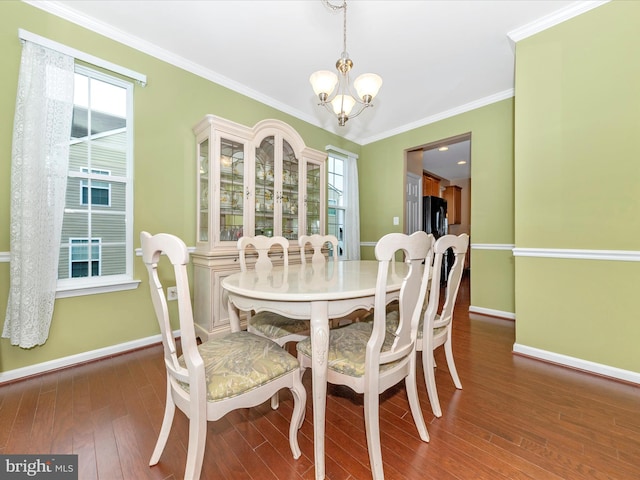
316,293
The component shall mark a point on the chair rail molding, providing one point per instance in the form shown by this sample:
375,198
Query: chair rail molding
5,257
572,253
492,246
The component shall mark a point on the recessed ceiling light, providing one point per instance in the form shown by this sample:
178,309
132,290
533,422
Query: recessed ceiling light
443,149
462,162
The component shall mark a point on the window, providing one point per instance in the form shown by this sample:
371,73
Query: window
97,235
79,255
336,202
100,191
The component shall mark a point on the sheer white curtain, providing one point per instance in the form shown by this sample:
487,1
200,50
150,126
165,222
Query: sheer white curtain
352,213
39,165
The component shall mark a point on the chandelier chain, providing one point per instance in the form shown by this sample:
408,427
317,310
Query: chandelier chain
335,8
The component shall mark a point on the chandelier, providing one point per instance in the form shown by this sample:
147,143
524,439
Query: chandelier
343,101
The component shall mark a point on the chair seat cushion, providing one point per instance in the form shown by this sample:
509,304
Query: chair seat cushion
274,326
392,323
347,348
238,362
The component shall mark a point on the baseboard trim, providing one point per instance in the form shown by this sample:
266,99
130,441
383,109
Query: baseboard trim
72,360
491,312
626,376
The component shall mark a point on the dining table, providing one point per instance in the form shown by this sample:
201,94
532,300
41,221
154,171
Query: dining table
318,293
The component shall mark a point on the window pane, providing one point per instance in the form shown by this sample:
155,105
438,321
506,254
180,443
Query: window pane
96,203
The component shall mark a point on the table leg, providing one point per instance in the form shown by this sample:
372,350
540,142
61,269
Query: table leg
320,348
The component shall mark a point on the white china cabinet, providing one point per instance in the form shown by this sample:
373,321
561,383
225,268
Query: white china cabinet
250,181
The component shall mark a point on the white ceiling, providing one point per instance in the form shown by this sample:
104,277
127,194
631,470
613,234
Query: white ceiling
436,58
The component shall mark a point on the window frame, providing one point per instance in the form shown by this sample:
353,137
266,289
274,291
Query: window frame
77,286
332,156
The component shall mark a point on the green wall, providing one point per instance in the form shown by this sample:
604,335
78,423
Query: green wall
164,175
577,172
382,175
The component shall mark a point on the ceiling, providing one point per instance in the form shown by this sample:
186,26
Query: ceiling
436,58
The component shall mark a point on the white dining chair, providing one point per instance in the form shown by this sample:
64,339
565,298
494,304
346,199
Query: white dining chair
368,358
436,323
317,242
235,370
271,325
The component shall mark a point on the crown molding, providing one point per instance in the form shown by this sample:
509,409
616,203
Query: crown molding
571,11
481,102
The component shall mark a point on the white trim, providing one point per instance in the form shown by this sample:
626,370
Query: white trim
94,288
492,313
346,153
467,107
5,257
553,19
571,253
368,244
79,358
492,246
79,55
578,363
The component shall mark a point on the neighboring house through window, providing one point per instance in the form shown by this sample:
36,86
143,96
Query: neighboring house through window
97,237
336,202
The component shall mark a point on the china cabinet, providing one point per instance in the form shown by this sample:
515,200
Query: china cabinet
250,181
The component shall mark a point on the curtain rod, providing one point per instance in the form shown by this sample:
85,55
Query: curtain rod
85,57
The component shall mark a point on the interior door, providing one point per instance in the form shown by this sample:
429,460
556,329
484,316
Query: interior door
414,203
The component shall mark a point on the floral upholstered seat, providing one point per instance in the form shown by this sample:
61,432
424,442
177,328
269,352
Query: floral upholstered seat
238,362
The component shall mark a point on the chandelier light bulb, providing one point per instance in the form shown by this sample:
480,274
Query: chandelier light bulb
343,104
323,82
367,85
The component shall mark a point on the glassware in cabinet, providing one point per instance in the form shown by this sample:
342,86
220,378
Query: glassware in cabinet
232,189
314,199
203,190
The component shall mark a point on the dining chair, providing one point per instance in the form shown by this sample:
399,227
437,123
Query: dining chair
317,243
273,326
436,322
233,371
368,358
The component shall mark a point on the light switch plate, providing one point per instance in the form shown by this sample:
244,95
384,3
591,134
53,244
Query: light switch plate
396,220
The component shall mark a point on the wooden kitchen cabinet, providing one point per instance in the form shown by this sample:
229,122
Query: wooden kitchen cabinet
452,194
430,186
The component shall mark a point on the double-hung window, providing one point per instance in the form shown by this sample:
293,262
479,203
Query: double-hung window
97,235
336,207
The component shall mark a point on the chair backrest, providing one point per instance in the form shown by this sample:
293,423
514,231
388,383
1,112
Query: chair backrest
178,255
458,245
417,249
263,246
317,241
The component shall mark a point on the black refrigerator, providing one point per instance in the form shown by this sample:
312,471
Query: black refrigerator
434,220
434,215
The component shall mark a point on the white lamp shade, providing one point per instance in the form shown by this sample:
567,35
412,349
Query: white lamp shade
368,84
343,104
323,81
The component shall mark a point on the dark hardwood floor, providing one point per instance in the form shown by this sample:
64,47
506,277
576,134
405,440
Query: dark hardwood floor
516,418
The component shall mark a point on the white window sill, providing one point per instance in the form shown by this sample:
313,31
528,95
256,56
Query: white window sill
96,287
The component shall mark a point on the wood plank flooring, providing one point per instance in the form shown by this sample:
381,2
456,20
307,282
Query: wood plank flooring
516,418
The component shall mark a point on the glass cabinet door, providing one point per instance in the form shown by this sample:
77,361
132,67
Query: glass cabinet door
232,191
313,198
203,193
265,189
289,196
